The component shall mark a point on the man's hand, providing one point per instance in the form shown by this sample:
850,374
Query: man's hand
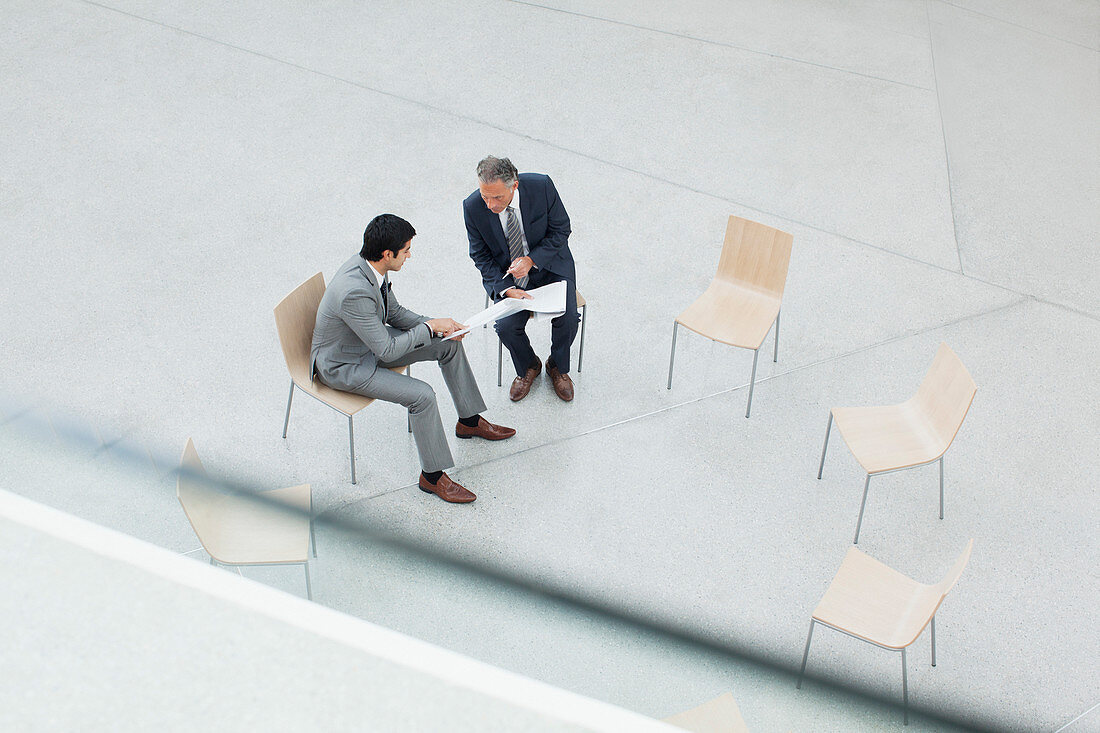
517,293
520,267
445,327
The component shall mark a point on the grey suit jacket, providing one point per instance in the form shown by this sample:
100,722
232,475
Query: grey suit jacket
350,336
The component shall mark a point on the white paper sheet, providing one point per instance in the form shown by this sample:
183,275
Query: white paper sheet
545,302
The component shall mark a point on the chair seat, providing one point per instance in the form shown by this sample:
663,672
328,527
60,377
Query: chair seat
249,531
876,603
888,437
732,314
348,403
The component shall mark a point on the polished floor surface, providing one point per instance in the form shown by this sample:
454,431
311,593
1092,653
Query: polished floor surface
170,171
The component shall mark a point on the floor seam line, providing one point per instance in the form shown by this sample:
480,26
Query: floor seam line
720,44
1097,705
1071,309
701,398
352,502
587,156
1021,26
943,135
853,352
525,136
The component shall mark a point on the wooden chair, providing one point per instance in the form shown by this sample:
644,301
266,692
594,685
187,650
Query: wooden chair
275,528
295,317
875,603
582,306
720,715
744,298
914,433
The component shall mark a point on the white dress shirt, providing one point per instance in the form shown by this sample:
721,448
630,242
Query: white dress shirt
379,277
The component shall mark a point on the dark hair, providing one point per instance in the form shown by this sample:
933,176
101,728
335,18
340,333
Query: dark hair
385,232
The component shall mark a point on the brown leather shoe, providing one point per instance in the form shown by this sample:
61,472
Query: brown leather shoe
484,429
447,490
522,385
563,385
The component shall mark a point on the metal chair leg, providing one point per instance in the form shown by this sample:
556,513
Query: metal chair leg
752,380
941,487
409,373
805,653
904,687
309,588
351,444
500,358
828,429
584,316
289,399
672,354
933,641
486,325
775,354
312,536
861,506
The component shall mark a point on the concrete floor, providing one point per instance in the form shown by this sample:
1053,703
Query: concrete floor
170,172
109,633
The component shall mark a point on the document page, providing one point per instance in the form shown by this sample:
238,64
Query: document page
545,302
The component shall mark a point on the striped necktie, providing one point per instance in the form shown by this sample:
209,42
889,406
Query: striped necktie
515,243
385,299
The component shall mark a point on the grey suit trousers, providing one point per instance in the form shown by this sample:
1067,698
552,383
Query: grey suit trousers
419,397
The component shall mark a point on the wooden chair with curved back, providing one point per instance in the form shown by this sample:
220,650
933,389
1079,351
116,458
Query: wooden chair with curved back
744,298
295,317
274,528
916,432
877,604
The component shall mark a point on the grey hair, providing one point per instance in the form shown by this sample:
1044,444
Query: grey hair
497,169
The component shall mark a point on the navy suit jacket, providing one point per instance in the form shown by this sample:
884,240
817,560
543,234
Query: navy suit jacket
545,224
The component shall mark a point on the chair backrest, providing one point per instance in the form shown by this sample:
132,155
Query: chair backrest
755,255
295,317
945,394
199,500
926,603
953,574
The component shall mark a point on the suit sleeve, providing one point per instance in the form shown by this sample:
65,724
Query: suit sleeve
359,311
557,229
493,278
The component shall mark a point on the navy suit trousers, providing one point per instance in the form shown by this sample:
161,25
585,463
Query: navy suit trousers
563,329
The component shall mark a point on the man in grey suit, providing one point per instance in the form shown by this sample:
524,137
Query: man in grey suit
362,330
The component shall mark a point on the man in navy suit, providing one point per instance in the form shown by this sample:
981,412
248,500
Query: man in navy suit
519,240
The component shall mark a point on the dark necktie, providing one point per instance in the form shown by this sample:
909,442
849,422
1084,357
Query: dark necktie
515,242
385,299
